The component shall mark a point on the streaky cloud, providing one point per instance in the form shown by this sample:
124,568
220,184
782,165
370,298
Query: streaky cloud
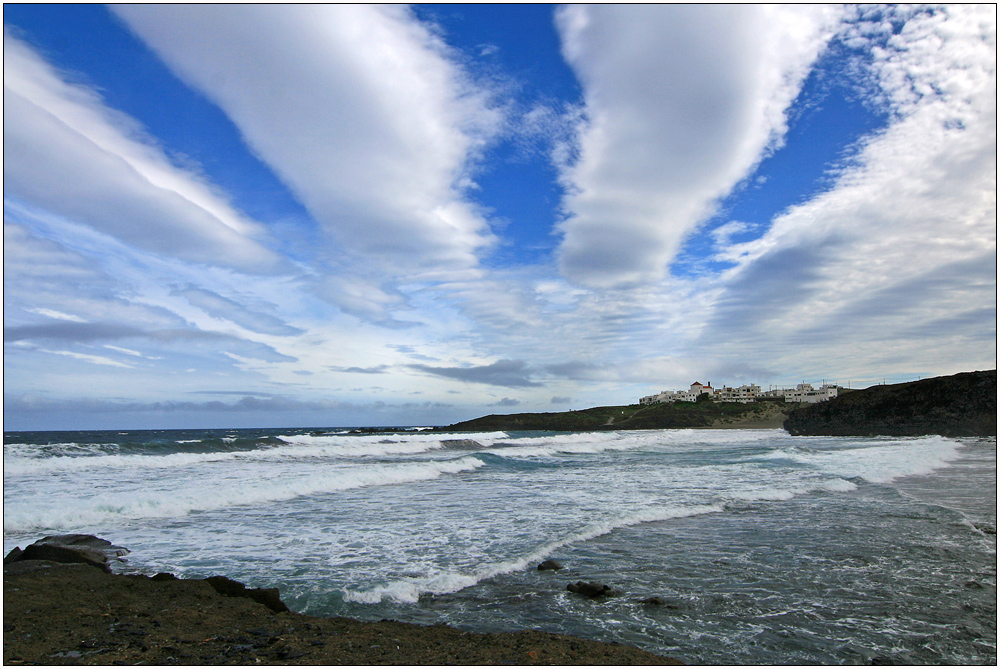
504,373
681,103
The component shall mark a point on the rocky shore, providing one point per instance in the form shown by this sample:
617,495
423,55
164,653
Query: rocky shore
69,608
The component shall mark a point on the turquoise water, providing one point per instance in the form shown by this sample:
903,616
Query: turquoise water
766,548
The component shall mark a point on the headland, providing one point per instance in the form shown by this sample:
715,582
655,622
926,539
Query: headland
961,405
705,414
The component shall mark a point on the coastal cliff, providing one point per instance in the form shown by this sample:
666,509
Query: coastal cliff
962,405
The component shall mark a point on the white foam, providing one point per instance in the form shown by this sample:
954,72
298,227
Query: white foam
27,461
880,461
439,582
101,508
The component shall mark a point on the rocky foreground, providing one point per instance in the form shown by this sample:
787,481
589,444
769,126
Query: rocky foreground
68,608
962,405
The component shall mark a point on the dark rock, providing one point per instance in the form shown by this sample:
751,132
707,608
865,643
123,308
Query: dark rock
550,565
962,405
70,549
269,597
593,589
672,604
462,444
65,554
164,576
85,541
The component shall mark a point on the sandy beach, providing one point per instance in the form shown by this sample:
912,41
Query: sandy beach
72,614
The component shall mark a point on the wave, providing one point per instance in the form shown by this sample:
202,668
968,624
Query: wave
409,590
29,460
98,510
877,462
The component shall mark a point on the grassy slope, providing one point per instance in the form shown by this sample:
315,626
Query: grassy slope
630,417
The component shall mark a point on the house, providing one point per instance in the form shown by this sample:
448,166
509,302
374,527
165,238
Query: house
803,392
745,394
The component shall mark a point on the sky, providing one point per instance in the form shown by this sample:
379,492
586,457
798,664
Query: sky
345,215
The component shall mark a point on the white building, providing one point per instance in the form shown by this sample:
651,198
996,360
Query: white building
744,394
665,396
690,395
803,392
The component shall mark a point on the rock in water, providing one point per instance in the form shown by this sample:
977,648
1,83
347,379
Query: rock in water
550,565
462,444
593,589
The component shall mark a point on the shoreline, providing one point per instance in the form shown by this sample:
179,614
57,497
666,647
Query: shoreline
56,613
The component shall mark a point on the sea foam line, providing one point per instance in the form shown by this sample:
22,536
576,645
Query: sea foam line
305,447
84,514
408,590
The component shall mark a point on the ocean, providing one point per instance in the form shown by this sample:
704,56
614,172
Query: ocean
764,548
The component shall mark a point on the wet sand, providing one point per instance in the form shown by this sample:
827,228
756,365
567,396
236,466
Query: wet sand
76,614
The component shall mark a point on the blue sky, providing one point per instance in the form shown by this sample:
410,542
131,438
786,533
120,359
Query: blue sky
222,216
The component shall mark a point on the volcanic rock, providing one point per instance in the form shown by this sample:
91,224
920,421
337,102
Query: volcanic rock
593,589
69,549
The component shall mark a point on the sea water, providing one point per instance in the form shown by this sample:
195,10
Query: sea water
763,548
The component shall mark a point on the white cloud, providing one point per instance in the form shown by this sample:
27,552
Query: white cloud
896,264
66,151
357,108
126,351
86,357
52,313
681,102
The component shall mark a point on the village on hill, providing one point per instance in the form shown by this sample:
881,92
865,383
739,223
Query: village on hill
745,394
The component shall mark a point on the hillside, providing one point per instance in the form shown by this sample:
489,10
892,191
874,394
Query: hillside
954,406
634,417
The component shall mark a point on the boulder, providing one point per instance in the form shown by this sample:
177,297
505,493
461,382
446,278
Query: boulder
269,597
548,565
70,549
462,444
660,601
66,555
593,589
87,541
